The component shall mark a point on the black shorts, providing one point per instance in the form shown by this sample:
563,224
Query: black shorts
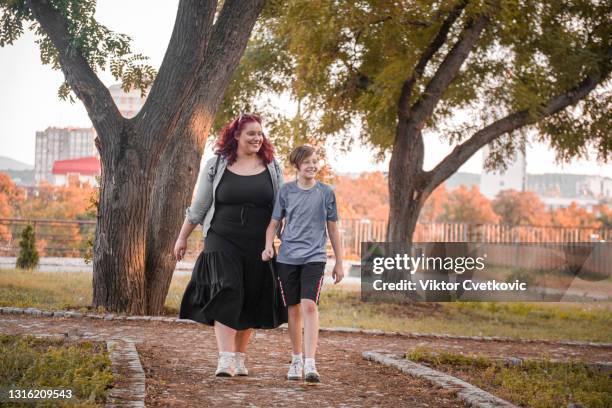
300,281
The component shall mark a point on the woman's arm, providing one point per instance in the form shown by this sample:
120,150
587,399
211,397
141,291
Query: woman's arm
334,237
181,242
268,252
203,197
195,213
281,180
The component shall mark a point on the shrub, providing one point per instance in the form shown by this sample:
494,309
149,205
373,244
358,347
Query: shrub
28,255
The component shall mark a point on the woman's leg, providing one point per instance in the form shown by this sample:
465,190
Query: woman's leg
226,337
310,313
295,328
241,340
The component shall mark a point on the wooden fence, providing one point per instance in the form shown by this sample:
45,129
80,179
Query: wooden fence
356,231
70,238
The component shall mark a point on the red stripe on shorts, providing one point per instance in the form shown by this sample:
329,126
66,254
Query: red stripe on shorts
282,292
319,288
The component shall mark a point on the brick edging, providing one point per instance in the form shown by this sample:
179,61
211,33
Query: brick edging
470,394
460,337
132,389
376,332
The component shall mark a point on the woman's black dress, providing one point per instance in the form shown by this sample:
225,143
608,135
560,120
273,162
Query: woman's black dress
230,283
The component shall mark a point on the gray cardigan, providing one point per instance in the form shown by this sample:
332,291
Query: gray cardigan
202,207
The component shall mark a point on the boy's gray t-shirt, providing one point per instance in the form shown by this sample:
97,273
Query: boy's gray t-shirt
306,213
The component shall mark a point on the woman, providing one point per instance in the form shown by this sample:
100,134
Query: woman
231,288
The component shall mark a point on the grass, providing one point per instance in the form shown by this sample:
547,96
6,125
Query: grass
552,321
537,384
64,290
29,363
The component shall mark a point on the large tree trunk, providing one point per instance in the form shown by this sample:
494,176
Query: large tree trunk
172,191
118,279
406,183
176,176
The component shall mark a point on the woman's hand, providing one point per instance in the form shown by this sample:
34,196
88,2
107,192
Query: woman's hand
267,254
179,248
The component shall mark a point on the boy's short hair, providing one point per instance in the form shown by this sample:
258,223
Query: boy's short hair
299,154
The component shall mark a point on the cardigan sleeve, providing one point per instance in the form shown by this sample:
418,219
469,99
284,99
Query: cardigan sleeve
203,197
279,174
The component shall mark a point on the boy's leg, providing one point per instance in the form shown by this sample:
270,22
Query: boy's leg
295,328
311,327
289,280
311,283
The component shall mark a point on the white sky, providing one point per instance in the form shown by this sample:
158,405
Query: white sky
29,101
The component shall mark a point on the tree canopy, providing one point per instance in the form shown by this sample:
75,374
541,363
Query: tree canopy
102,48
347,63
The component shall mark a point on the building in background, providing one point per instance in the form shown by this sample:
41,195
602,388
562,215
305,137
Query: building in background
60,144
129,103
53,144
76,171
559,190
515,176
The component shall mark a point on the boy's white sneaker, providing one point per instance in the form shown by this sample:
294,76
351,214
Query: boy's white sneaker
225,365
240,369
295,370
310,372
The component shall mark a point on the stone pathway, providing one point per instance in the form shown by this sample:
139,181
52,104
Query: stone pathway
179,361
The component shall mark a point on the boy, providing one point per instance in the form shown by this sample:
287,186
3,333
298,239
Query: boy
309,208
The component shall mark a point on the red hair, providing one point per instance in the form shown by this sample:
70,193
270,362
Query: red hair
227,145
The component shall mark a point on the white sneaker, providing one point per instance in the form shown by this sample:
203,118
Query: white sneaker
295,370
310,373
225,366
240,367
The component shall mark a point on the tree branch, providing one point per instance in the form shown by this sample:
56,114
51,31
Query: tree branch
184,56
447,71
430,51
462,152
229,38
84,82
233,29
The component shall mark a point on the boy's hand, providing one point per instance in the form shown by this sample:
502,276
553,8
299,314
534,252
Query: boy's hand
338,273
267,254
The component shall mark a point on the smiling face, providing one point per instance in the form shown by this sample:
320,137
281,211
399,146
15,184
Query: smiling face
308,167
250,138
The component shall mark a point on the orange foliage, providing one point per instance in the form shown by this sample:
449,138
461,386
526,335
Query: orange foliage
58,202
604,215
468,206
365,196
11,198
520,208
573,217
433,208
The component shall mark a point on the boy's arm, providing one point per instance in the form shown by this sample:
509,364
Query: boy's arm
334,237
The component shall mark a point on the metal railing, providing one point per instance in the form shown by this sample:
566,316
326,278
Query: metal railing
66,238
355,231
